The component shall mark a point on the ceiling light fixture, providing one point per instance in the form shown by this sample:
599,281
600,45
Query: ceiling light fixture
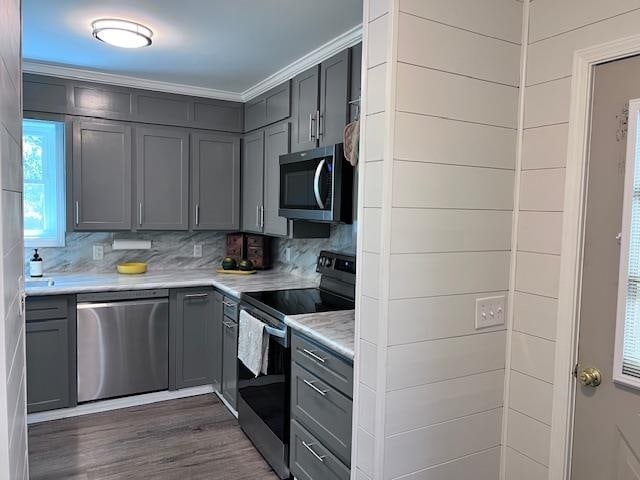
122,33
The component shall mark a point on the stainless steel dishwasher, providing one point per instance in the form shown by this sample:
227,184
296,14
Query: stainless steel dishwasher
123,343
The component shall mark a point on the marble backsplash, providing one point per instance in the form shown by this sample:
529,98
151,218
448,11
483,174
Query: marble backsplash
174,251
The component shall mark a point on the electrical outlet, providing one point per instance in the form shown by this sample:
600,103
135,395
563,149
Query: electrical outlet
197,250
490,311
98,252
287,254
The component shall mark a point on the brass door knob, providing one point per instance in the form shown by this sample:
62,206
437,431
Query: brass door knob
590,377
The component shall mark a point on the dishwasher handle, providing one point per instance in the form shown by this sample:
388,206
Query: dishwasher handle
122,303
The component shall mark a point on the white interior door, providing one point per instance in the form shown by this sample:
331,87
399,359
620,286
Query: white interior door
606,437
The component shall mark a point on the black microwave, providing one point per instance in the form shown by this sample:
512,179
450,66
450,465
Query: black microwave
316,185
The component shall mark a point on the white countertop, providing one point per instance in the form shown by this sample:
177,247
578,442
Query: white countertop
73,283
332,329
335,330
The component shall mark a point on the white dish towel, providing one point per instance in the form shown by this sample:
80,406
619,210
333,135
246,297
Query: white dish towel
253,344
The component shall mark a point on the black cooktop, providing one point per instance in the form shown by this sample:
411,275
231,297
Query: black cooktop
298,301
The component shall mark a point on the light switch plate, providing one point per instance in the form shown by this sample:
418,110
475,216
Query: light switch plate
287,254
197,250
98,252
490,311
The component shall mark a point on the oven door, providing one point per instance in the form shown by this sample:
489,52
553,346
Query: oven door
263,401
307,181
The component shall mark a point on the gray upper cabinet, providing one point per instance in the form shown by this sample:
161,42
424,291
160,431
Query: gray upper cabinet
195,339
252,182
72,97
334,98
305,89
101,170
162,179
215,182
356,79
276,143
268,108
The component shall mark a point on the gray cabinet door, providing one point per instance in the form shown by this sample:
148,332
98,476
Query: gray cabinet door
162,179
268,108
194,319
101,176
230,361
215,182
276,143
304,105
334,98
356,79
47,345
252,182
215,341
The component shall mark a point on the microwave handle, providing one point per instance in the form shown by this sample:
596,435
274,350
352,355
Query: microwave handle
316,183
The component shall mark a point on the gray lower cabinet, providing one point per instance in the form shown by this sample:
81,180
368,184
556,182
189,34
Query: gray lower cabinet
215,182
101,169
215,341
334,98
321,411
230,353
252,182
50,353
305,89
194,337
276,143
162,178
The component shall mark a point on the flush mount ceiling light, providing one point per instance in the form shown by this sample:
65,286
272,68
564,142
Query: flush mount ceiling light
121,33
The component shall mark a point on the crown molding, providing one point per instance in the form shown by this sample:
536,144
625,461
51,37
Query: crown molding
339,43
74,73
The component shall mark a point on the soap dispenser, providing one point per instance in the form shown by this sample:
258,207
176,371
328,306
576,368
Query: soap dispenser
35,265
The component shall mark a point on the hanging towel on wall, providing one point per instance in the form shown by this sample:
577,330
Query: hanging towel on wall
253,344
352,142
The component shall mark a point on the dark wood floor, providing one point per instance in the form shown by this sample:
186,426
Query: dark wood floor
187,439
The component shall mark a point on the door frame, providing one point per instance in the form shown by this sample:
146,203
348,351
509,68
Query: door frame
573,228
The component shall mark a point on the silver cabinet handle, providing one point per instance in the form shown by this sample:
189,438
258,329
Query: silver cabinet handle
197,214
196,295
261,216
258,216
316,183
314,356
311,384
140,214
77,213
229,304
311,127
308,447
229,324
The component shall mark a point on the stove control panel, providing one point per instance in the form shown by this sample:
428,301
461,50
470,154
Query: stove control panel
335,264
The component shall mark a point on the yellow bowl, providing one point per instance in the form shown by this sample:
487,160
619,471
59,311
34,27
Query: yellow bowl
132,268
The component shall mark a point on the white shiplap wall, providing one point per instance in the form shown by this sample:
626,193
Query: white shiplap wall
438,160
556,30
13,432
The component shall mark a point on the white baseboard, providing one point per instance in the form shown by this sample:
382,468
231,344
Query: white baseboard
118,403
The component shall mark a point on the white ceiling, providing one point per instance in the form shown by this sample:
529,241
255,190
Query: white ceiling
226,45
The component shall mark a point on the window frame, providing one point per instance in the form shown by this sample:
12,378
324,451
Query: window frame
61,184
633,149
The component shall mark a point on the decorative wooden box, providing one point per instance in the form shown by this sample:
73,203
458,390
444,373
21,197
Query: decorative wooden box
256,248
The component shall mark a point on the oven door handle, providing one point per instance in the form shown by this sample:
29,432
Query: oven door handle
316,183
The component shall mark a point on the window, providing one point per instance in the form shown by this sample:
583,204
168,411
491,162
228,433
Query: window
43,197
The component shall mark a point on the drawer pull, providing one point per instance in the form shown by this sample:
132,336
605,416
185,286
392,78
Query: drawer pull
228,304
196,295
308,447
311,384
229,324
314,356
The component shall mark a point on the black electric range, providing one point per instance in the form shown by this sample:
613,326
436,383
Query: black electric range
263,401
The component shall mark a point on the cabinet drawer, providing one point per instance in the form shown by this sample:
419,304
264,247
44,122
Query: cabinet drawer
46,308
255,241
323,410
320,361
310,460
230,308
